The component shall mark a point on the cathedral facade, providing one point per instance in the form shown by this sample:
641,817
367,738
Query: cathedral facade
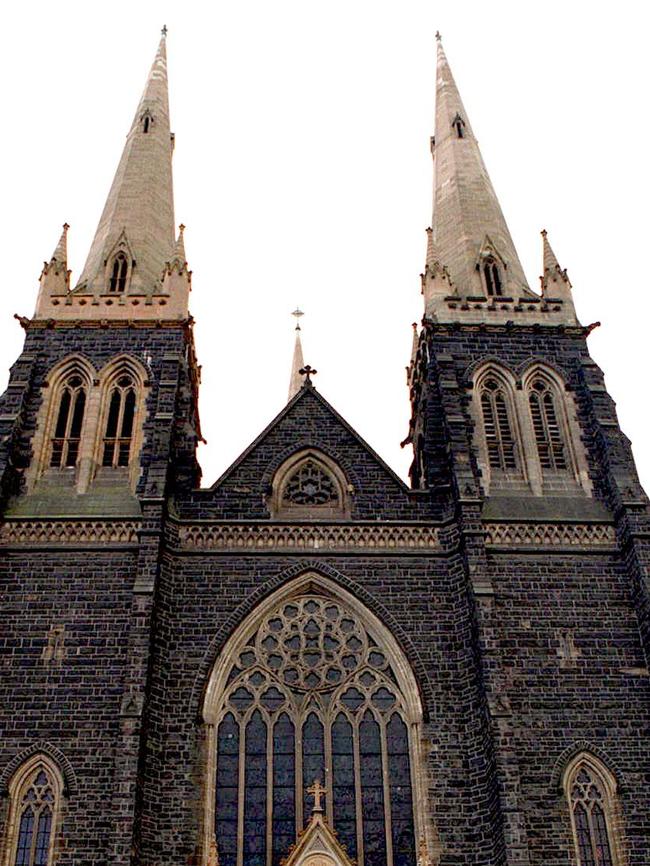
311,661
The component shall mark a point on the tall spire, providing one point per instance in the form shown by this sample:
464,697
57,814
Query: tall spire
138,217
468,225
296,380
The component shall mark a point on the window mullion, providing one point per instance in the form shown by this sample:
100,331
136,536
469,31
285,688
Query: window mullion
118,430
357,791
298,773
241,794
269,791
387,805
328,781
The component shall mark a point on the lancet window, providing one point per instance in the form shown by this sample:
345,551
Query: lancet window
497,425
590,794
118,433
35,801
119,273
312,695
459,126
492,278
547,428
66,435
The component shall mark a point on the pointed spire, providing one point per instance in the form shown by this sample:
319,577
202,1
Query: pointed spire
138,217
554,280
415,344
468,225
60,253
296,380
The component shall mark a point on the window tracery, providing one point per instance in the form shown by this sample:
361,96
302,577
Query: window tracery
309,484
497,426
547,429
591,800
35,793
118,433
312,695
64,445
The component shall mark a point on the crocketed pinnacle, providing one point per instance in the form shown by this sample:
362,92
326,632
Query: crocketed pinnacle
60,253
296,380
138,217
551,264
468,225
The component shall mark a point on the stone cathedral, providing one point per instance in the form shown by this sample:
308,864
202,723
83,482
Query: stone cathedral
310,662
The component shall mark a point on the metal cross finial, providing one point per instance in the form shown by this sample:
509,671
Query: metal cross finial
164,30
297,313
307,372
438,36
316,791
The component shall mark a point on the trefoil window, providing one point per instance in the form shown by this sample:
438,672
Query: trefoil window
118,436
69,421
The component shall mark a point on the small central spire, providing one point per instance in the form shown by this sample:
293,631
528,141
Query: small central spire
295,380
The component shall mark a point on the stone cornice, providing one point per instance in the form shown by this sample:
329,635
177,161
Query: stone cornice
69,532
549,535
301,538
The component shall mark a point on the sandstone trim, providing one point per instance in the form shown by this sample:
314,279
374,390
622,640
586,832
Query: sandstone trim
549,534
69,532
216,536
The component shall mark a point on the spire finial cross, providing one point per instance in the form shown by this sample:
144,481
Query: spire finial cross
164,30
307,372
297,313
438,36
316,791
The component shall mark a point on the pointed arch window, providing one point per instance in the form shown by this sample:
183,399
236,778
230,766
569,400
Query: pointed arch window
119,274
492,278
120,418
35,802
312,694
590,791
66,438
309,484
459,125
498,426
547,427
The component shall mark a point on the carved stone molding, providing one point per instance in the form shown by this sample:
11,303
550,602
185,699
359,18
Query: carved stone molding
69,532
549,534
219,536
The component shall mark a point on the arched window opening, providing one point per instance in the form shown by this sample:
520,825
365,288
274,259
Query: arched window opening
492,277
313,695
118,435
119,273
497,426
549,437
33,812
147,123
64,451
590,801
309,485
459,124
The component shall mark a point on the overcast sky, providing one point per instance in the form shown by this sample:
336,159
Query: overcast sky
303,174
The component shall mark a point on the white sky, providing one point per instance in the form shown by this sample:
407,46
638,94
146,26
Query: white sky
303,174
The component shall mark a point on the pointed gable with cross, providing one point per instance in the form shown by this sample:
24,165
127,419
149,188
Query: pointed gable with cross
343,476
318,845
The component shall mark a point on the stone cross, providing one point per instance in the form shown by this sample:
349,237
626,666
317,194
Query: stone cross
316,791
307,372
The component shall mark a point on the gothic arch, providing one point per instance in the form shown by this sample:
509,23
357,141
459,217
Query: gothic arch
310,484
522,369
572,752
494,410
305,445
35,791
41,747
469,375
245,666
284,579
68,368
